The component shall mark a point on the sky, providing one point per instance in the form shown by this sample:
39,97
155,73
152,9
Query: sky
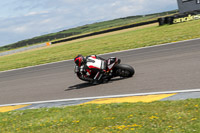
24,19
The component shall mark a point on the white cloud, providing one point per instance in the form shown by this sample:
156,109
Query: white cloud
36,13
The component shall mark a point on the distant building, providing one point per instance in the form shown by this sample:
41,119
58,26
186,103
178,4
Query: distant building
188,5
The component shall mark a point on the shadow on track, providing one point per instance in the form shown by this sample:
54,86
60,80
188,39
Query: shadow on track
85,85
79,86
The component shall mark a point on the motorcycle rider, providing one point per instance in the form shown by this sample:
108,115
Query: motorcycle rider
91,68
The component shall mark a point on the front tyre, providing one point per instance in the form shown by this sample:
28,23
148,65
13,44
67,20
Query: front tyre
124,70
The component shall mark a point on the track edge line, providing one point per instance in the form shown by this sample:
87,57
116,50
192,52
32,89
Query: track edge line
99,97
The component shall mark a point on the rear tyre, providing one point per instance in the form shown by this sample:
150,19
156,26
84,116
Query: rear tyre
124,70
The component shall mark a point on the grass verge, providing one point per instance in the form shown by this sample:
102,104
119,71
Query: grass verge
155,117
126,40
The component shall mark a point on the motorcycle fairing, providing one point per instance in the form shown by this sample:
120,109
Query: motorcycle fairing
92,62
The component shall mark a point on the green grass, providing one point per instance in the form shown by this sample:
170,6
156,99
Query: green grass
127,40
155,117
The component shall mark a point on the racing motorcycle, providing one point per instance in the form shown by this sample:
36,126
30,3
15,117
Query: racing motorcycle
111,67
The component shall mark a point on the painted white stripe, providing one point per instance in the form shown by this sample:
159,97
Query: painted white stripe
160,45
110,96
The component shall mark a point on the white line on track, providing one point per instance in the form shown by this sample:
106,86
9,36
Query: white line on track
110,96
160,45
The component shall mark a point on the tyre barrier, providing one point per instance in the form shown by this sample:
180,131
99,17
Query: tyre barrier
179,18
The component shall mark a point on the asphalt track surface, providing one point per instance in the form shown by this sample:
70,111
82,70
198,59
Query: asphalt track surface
162,68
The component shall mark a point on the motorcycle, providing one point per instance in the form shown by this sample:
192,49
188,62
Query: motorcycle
112,68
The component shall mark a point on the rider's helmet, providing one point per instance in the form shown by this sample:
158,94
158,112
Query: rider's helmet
79,60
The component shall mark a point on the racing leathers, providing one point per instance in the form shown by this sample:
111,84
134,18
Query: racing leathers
92,69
